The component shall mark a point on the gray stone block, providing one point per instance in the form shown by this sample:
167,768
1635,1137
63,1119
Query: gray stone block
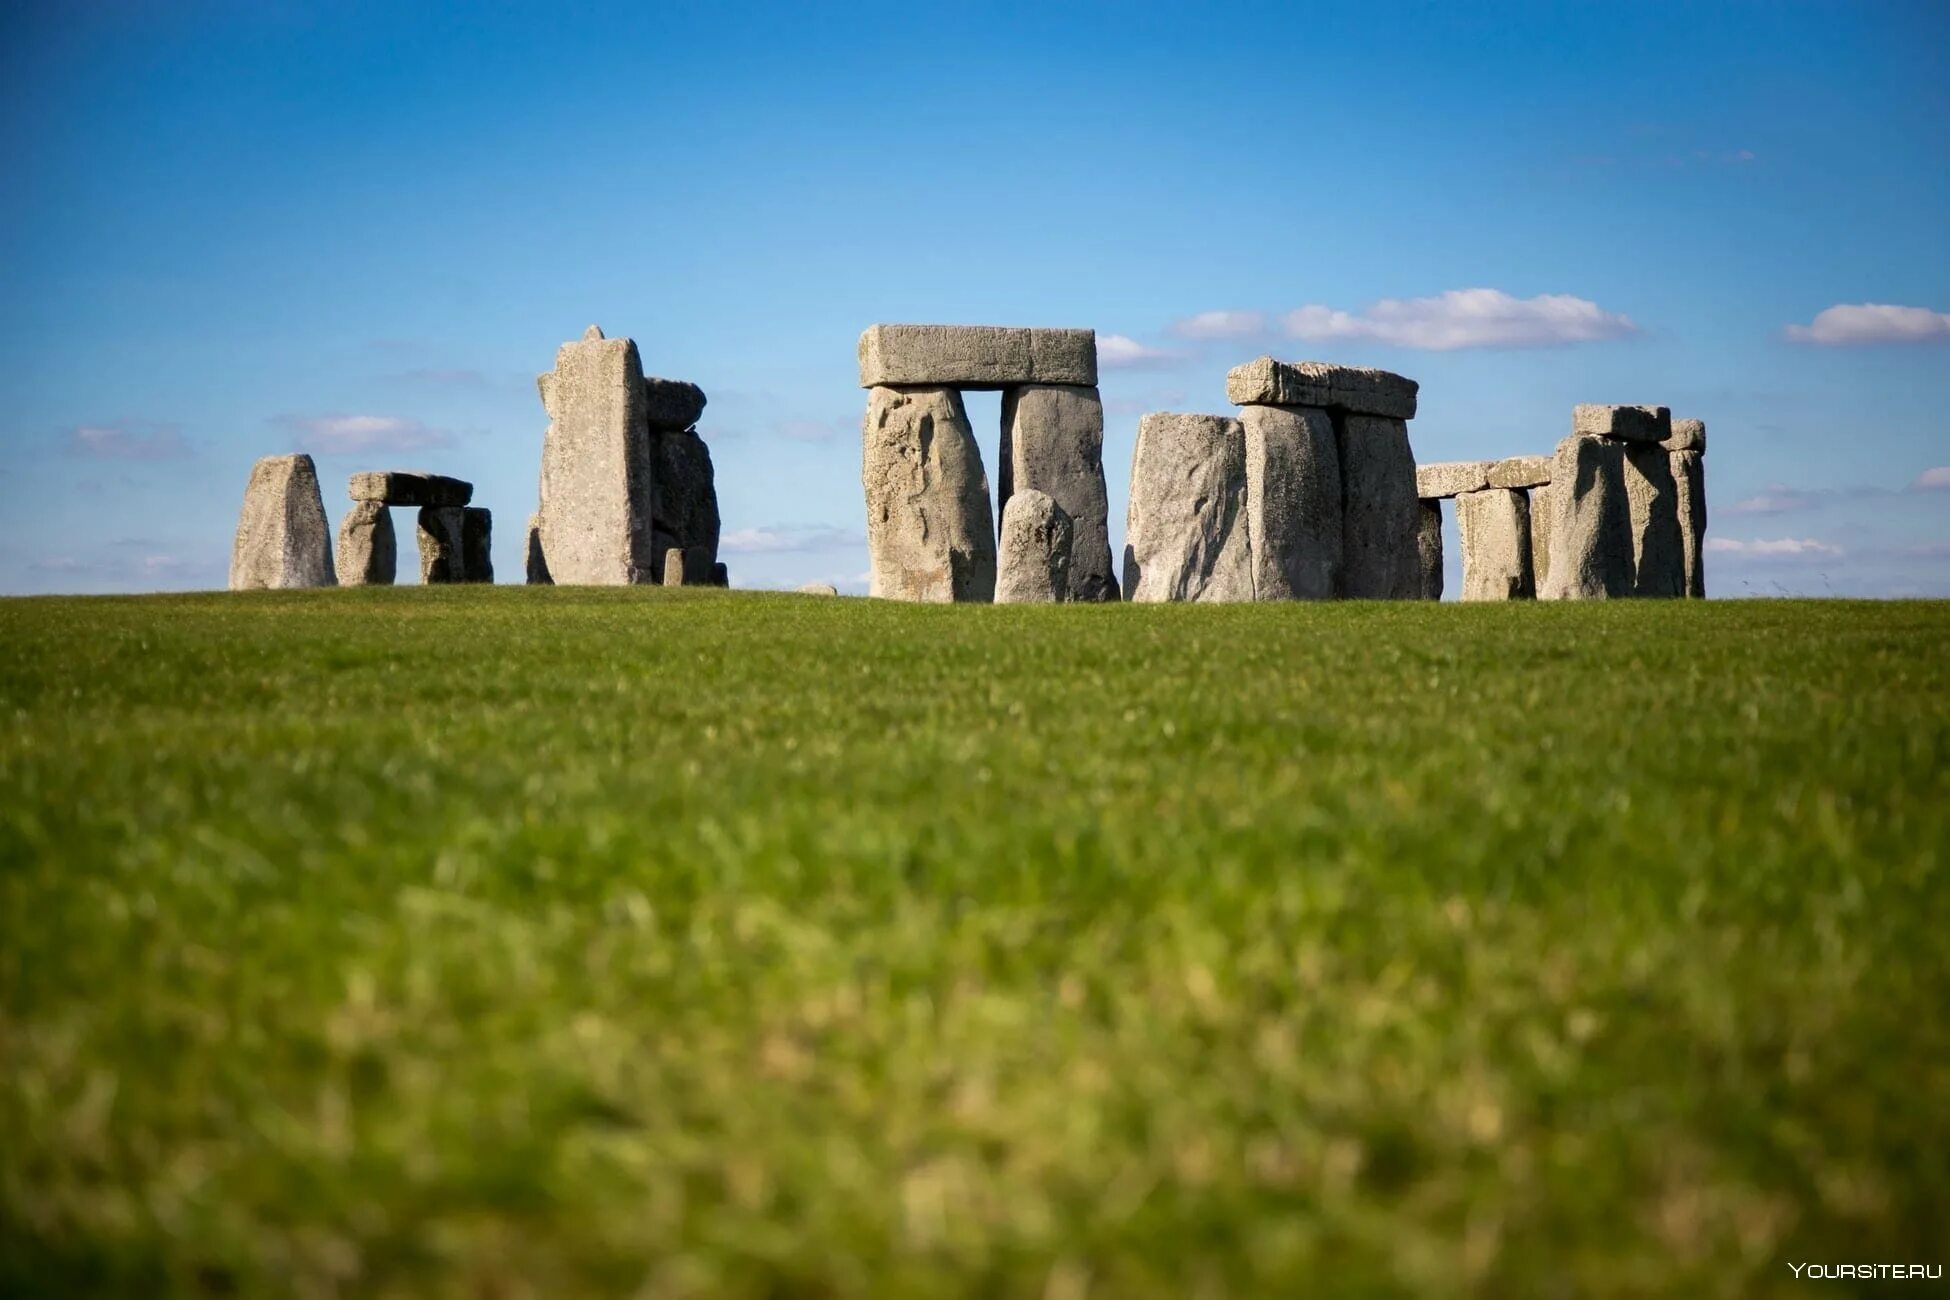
1293,502
674,567
685,500
1185,533
409,487
1033,551
1624,423
671,403
818,589
598,484
368,554
1355,389
536,557
1688,435
930,535
1521,472
1591,523
1053,442
1494,526
976,356
1658,554
442,544
1542,513
1428,550
720,576
477,544
283,538
1689,482
1381,514
1448,478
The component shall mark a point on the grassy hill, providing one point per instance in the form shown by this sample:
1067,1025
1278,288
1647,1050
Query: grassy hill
537,942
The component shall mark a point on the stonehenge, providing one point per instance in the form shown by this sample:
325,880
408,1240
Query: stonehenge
282,539
1689,482
1053,442
1185,535
929,533
1034,551
368,552
1495,528
452,537
1293,520
442,547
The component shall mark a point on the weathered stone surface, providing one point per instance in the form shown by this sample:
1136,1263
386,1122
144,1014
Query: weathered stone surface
1688,435
597,480
537,558
409,487
1448,478
720,575
976,356
1689,481
1625,423
685,502
1293,502
1658,555
442,536
930,536
671,403
368,550
1356,389
1428,550
674,567
1543,512
1381,517
283,538
1033,551
477,544
1053,442
818,589
1494,525
1185,532
1521,472
1591,523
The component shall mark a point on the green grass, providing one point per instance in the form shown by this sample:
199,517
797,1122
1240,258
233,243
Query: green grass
531,942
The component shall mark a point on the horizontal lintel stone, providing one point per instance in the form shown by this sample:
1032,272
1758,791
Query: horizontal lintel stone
1623,423
671,404
976,356
1687,435
1357,390
1451,478
396,487
1521,472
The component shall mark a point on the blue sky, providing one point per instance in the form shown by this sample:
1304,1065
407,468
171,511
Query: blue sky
234,230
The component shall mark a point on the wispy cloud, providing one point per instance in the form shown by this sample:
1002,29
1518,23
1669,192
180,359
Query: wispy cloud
779,539
335,434
1932,480
1119,352
1863,324
1465,318
1779,499
1776,548
127,442
1221,325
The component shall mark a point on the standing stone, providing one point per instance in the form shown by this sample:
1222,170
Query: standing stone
686,498
477,544
537,558
1658,549
1428,550
1543,512
1053,442
720,575
1495,528
597,481
1034,551
674,567
1293,502
368,550
1591,522
442,544
283,538
1381,514
1185,533
1689,481
930,536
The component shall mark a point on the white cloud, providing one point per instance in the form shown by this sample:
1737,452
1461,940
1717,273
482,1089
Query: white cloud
1774,548
122,442
1932,480
783,538
1466,318
1220,325
344,434
1117,352
1865,323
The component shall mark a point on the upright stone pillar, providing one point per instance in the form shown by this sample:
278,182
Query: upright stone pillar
1494,525
930,536
368,553
1185,533
1658,550
1531,474
1591,525
1687,447
1053,442
283,538
1035,551
477,544
597,479
674,567
1293,502
442,538
536,565
1428,549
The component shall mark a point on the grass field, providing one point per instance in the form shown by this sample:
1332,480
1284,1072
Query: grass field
531,942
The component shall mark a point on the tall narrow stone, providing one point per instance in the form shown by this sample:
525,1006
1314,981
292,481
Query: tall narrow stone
597,479
1053,442
477,544
686,499
537,558
1428,549
368,550
283,538
1591,522
674,567
442,544
1494,525
1543,513
930,536
1381,515
1033,551
1293,502
1185,534
1689,481
1658,549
